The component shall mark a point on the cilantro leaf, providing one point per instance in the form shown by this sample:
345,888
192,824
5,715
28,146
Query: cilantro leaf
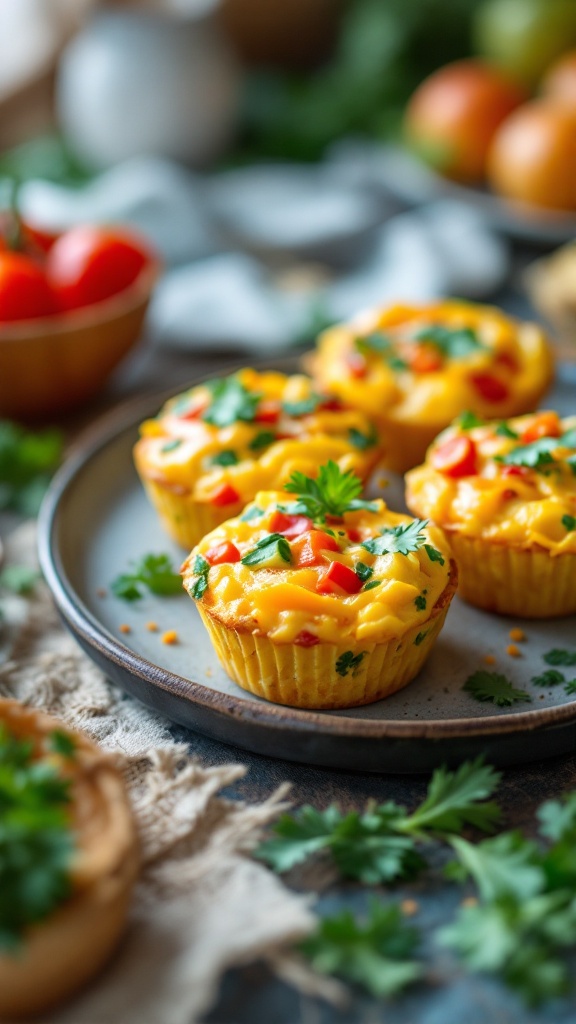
304,407
36,840
297,838
570,687
557,818
171,446
363,441
262,440
453,342
568,440
534,455
569,522
420,602
231,402
558,656
363,571
375,342
251,513
456,799
433,554
333,493
27,462
201,567
549,678
272,548
153,572
492,686
467,420
349,662
20,579
504,430
400,539
225,458
506,865
374,954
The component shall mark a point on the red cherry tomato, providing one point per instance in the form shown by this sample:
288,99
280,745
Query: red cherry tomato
455,457
88,264
339,577
490,388
289,526
221,553
24,291
225,495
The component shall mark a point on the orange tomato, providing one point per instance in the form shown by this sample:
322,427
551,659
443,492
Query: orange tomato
453,114
533,156
559,82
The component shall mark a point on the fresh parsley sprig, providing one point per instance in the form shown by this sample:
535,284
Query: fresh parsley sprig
452,342
375,953
27,462
230,402
333,493
400,539
154,573
36,841
380,845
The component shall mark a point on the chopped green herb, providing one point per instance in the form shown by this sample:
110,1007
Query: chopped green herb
252,512
153,572
363,571
304,407
569,522
171,446
420,602
397,364
332,494
503,430
467,420
363,441
262,440
491,686
62,743
536,455
558,656
570,687
349,662
568,440
375,342
398,539
231,402
371,584
420,637
453,342
20,579
272,548
374,954
225,458
36,839
201,567
27,462
549,678
571,462
433,554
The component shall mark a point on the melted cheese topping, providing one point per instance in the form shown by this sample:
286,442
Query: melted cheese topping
283,603
517,505
383,363
182,451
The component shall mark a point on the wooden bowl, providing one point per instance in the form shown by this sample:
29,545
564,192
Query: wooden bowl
51,365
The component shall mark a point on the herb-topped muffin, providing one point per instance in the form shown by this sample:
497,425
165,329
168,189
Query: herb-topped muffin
318,599
68,860
212,448
505,492
414,368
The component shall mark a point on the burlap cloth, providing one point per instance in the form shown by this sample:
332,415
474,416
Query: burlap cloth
202,904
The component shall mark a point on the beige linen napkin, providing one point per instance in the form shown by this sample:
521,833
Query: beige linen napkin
201,904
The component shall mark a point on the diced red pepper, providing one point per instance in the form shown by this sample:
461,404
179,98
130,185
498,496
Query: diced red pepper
225,495
306,639
268,411
356,365
195,411
424,359
330,405
354,535
221,553
339,577
515,471
455,457
308,548
509,493
507,360
289,526
490,388
544,424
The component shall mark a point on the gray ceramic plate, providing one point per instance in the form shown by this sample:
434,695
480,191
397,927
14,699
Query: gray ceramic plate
96,519
412,181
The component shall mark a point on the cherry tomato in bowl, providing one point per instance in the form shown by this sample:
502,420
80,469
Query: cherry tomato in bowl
24,290
89,264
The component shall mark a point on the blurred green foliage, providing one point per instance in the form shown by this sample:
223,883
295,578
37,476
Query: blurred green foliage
386,47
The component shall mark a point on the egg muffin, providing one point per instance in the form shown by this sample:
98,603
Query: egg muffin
212,448
505,493
318,599
414,368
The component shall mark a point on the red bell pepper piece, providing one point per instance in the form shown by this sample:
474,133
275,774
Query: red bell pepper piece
306,639
545,424
308,548
424,359
356,365
225,495
339,577
490,388
268,411
221,553
289,526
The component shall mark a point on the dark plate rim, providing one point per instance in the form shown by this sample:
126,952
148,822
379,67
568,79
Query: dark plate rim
274,716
